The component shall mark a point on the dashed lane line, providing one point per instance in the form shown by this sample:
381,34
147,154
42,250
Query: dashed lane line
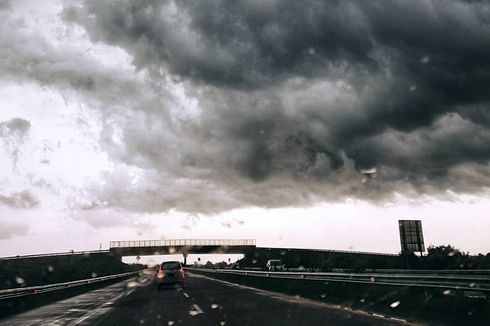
198,309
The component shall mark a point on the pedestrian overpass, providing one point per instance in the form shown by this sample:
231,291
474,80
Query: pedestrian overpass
181,246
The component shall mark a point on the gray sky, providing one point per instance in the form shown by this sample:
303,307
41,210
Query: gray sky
312,124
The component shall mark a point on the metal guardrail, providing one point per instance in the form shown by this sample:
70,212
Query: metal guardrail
182,242
33,290
68,253
447,282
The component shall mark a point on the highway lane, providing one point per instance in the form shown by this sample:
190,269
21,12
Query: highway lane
203,302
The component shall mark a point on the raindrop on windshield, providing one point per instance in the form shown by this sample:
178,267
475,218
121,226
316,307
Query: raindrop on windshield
132,284
19,280
395,304
214,306
193,312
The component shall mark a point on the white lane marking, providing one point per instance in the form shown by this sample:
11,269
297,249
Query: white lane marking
198,309
100,310
186,295
290,299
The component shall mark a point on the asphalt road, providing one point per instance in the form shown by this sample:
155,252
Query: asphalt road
203,302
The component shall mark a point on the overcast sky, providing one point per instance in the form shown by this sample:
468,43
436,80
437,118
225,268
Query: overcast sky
297,123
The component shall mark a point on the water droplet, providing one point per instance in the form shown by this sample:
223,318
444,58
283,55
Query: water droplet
214,306
395,304
132,284
222,323
19,280
412,88
373,279
193,312
323,295
170,323
425,59
372,170
94,274
142,321
171,250
363,300
50,269
311,51
446,292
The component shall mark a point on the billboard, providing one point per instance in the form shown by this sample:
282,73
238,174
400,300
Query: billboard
411,236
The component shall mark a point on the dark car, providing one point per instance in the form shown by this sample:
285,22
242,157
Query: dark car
170,273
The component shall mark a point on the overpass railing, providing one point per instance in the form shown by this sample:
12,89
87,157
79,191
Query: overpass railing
182,242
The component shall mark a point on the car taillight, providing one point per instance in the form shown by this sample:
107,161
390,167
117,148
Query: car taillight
161,273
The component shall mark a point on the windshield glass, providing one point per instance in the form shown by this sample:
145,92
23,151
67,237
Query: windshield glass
244,162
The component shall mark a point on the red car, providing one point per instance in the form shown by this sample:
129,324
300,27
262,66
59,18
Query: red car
170,273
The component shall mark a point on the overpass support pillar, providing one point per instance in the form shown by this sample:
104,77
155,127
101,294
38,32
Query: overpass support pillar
185,254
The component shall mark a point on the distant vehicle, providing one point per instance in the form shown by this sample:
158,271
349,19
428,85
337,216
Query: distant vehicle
275,265
234,266
170,273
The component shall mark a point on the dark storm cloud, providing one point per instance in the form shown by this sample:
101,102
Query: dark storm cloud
14,127
22,199
28,54
304,95
13,133
10,230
